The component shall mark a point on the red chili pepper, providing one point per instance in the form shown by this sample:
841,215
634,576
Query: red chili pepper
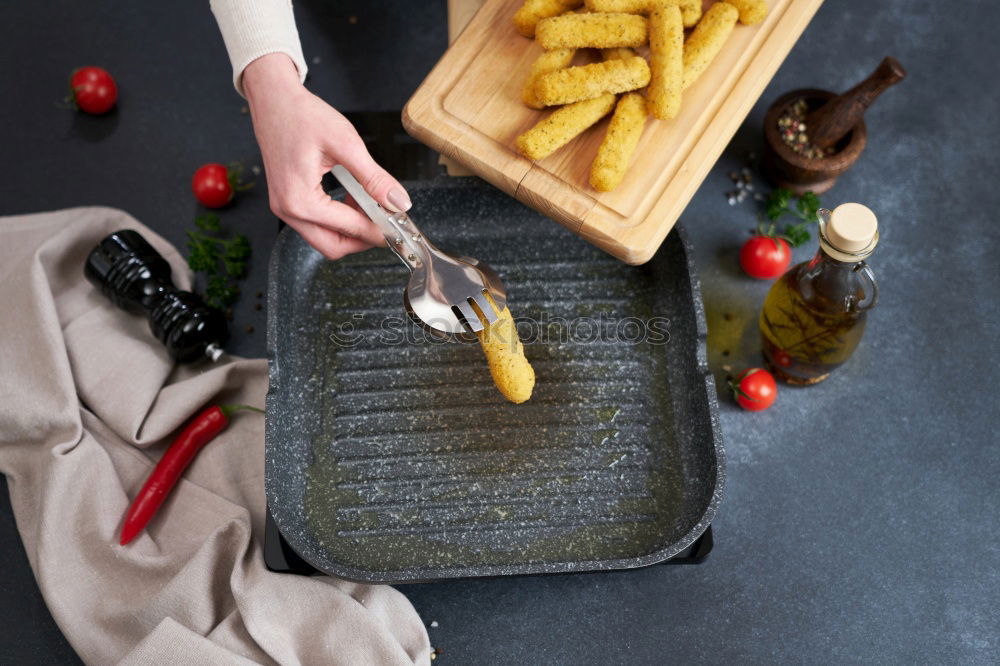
199,432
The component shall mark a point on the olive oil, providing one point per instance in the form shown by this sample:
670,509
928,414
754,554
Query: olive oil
814,315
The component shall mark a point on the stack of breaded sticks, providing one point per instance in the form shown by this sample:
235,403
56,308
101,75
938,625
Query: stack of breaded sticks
586,93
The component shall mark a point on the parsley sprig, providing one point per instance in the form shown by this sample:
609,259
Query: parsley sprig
222,260
780,203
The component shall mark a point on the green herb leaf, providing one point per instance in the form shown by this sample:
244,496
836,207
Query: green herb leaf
777,203
220,293
796,234
808,204
235,256
223,261
207,222
203,256
806,207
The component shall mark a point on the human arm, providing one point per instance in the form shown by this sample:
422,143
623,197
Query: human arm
300,136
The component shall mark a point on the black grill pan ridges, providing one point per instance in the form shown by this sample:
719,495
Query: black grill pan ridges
402,463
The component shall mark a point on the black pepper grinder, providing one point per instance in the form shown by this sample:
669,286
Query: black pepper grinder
136,278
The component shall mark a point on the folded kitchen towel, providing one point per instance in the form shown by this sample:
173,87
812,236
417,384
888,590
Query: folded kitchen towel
88,402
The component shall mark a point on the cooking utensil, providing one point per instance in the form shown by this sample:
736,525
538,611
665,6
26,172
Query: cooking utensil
136,278
390,457
442,288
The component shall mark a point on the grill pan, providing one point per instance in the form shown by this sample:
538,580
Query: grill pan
391,457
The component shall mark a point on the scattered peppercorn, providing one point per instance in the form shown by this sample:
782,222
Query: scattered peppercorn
743,180
258,306
249,328
793,131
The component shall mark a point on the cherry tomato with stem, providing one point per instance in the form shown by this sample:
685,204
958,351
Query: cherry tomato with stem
765,257
215,185
755,389
93,90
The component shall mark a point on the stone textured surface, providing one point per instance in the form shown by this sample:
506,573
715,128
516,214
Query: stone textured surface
859,522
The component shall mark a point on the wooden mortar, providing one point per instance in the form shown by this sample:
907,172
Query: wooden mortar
786,168
832,121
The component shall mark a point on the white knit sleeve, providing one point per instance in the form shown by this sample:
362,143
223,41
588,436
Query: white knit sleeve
253,28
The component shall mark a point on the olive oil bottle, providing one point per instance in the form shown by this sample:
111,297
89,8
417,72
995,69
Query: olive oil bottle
814,315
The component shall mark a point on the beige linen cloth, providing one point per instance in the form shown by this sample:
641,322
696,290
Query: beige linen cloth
88,401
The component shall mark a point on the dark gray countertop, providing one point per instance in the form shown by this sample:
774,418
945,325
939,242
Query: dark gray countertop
860,518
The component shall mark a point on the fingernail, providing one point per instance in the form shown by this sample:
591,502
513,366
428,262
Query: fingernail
399,201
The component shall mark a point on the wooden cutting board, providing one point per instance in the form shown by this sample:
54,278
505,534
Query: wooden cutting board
469,108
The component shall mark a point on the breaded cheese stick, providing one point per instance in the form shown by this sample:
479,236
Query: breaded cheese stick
555,131
620,53
751,12
549,61
620,6
666,62
533,11
602,31
690,11
575,84
511,372
707,39
619,143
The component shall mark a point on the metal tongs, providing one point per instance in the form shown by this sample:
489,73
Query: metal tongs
442,288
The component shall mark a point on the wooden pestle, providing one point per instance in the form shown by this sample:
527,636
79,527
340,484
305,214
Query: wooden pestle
831,122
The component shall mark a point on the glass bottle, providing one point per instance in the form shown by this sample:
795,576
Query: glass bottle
814,315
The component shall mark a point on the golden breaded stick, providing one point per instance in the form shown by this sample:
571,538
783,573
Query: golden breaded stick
619,143
620,6
533,11
549,61
575,84
602,31
751,12
666,61
512,373
707,39
555,131
620,53
690,11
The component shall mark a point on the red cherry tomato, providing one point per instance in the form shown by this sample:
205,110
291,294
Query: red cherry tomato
782,358
211,185
755,389
765,257
93,90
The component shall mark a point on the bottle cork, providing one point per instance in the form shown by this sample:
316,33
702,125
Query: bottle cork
850,232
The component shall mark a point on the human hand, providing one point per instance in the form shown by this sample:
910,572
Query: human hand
301,138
